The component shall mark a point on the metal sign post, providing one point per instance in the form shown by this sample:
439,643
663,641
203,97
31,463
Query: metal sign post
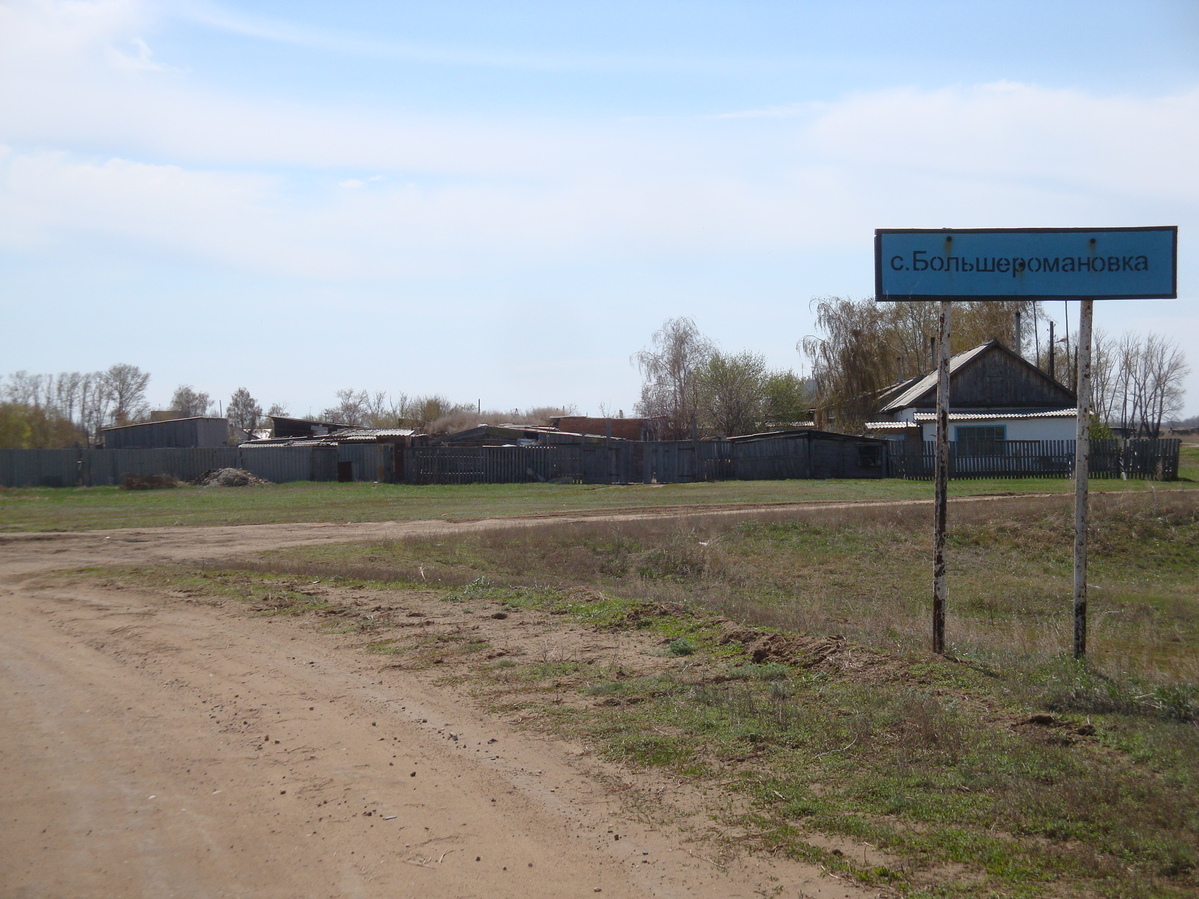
941,473
1082,472
1083,264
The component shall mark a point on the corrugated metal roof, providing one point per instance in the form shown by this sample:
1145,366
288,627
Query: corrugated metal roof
372,433
890,425
977,416
162,421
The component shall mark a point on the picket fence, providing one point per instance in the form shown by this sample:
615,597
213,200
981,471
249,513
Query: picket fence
1134,458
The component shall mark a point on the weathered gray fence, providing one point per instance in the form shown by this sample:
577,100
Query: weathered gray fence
366,462
1137,458
611,462
598,462
108,467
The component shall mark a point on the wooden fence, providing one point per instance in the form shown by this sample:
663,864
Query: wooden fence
567,463
1139,458
663,462
601,462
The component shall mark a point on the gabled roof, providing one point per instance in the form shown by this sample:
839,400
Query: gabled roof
922,390
801,434
918,387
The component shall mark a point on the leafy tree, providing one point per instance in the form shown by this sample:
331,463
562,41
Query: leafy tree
125,387
670,387
187,403
731,392
243,411
788,400
36,427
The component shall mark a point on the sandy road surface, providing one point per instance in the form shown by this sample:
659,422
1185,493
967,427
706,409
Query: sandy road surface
165,746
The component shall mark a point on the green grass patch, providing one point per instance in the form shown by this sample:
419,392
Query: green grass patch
805,688
97,508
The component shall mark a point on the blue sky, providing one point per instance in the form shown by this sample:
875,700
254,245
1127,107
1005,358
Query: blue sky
500,202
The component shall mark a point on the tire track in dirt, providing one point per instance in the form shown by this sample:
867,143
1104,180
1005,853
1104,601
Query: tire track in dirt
167,746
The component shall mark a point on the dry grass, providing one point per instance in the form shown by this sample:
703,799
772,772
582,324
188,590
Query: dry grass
864,573
784,667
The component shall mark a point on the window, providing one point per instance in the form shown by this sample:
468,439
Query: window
980,440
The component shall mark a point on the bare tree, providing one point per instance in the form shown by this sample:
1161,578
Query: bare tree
351,408
188,403
1159,375
25,389
243,410
93,404
125,386
383,412
1138,382
669,389
68,395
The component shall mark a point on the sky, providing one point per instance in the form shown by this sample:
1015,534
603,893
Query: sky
500,203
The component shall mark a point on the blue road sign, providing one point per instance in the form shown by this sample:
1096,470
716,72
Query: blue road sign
1026,263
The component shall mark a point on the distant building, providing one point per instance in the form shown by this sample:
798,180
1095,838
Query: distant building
173,433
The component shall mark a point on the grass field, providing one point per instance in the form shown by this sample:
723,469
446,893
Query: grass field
802,690
790,675
89,508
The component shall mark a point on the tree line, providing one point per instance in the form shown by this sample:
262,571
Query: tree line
71,408
40,410
689,385
692,388
864,347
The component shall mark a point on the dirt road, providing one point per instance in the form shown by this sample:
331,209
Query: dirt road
160,745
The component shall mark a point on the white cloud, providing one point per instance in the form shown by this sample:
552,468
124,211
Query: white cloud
1114,144
139,60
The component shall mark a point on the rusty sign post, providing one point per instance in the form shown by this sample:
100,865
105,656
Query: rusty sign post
1023,264
941,474
1082,472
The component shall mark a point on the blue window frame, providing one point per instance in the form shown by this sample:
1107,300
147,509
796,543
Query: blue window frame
980,440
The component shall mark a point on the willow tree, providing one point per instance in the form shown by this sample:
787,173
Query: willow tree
669,369
865,347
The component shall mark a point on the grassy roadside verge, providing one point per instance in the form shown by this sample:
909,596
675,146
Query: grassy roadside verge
95,508
781,666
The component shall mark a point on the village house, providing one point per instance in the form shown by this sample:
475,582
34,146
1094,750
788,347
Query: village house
995,397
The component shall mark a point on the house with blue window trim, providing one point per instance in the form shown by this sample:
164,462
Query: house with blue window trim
995,397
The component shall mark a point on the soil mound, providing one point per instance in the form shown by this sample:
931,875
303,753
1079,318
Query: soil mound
149,482
228,477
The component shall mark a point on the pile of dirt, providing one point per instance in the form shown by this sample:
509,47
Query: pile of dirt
149,482
228,477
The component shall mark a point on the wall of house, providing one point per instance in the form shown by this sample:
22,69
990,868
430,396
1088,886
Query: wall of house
1016,428
996,380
